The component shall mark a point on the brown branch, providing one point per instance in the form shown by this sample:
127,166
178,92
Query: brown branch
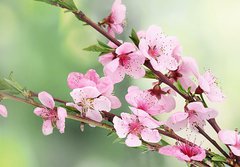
202,132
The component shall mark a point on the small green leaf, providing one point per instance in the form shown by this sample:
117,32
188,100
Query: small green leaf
104,45
67,4
218,158
149,74
180,88
134,37
164,143
117,140
52,2
99,48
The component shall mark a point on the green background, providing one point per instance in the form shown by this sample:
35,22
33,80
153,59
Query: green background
42,44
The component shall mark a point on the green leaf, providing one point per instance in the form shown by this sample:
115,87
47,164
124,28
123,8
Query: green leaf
164,143
67,4
11,86
99,48
149,74
180,88
218,158
134,37
104,45
52,2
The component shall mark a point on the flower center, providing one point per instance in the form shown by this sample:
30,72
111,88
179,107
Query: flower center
135,128
188,150
49,114
124,59
152,51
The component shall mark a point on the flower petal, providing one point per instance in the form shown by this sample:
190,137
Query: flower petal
151,136
46,99
94,115
121,128
47,127
133,141
3,111
102,104
228,136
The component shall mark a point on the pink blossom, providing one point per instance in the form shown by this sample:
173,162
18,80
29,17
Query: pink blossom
207,83
125,60
195,115
187,70
162,51
184,152
89,102
231,138
51,117
115,21
149,103
3,111
136,126
104,85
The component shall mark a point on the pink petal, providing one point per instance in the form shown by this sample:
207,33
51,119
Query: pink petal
47,127
235,150
196,106
81,93
151,136
102,104
105,59
133,141
73,80
92,75
169,150
3,111
115,102
125,48
113,65
135,67
203,83
215,94
178,121
46,99
62,113
79,108
188,66
105,85
154,35
121,128
200,156
94,115
128,118
38,111
116,76
228,136
118,12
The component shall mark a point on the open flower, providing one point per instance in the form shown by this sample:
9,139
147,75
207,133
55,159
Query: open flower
207,83
231,138
187,70
149,103
162,51
89,102
115,21
125,60
51,116
3,111
195,115
135,127
184,152
104,85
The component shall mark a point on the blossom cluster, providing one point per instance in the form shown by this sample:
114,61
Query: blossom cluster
93,96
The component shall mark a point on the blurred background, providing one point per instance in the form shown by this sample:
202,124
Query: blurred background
41,44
